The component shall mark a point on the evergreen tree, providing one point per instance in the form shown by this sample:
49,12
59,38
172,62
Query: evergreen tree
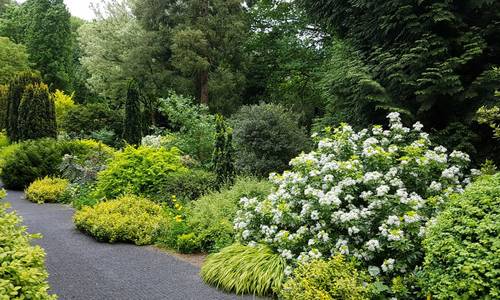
4,101
132,125
16,90
48,39
205,40
37,117
222,158
434,59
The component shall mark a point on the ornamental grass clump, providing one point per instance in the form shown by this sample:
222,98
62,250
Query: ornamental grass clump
366,194
47,190
245,270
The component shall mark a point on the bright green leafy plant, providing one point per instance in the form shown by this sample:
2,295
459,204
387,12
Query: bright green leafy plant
193,128
210,217
462,250
245,270
126,219
22,266
139,171
332,279
47,190
366,194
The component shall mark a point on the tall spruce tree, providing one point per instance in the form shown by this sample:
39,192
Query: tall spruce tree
37,117
132,124
16,91
48,39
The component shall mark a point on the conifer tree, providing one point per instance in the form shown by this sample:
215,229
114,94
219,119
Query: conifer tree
132,124
48,39
16,90
222,159
37,118
4,91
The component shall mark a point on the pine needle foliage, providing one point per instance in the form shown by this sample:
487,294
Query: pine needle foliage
222,158
37,116
4,102
132,125
245,270
16,91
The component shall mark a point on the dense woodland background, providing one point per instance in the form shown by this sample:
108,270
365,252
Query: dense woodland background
326,61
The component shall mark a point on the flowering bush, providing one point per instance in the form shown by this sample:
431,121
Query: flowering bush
368,194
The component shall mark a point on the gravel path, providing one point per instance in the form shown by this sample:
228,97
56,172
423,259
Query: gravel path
81,268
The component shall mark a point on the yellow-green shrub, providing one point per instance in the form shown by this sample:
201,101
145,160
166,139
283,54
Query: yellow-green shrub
46,190
126,219
332,279
5,152
63,103
4,140
140,171
22,267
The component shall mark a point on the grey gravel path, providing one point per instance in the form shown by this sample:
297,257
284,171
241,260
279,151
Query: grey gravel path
81,268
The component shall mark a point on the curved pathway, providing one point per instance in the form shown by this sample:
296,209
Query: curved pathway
81,268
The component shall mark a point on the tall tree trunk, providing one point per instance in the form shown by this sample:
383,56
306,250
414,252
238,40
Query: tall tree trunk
204,87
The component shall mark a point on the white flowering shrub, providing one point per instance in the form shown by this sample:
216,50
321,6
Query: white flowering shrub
153,141
367,194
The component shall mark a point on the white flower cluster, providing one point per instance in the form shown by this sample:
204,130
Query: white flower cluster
368,194
153,141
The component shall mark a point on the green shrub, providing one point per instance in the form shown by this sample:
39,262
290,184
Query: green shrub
192,127
93,120
141,171
29,161
462,250
176,234
6,152
35,159
126,219
22,266
332,279
211,216
37,115
80,195
266,137
185,185
4,140
47,190
245,270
